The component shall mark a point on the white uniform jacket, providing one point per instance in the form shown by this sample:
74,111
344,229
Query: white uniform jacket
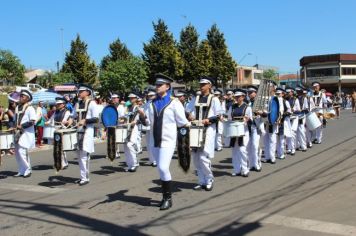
88,141
27,139
215,110
164,129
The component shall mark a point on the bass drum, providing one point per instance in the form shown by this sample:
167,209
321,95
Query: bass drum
109,116
273,111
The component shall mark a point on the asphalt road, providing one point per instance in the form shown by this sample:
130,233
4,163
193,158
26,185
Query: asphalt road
312,193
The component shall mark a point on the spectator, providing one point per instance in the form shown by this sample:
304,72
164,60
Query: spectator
40,123
353,101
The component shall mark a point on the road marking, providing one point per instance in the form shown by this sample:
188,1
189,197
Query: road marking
31,188
302,224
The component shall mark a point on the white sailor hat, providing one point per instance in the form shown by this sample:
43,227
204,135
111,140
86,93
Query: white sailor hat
206,80
114,96
84,87
26,93
315,84
133,95
239,92
229,92
151,92
217,92
252,88
162,79
60,100
280,90
180,93
289,89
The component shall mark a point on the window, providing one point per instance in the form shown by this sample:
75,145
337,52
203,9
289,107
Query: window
349,70
323,72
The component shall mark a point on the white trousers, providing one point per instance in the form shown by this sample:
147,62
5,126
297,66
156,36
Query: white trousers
163,157
139,142
203,166
252,149
319,131
270,142
291,141
302,136
218,141
23,160
131,154
151,157
281,144
117,154
64,159
83,159
239,156
226,142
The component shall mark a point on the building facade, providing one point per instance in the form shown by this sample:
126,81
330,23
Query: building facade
335,72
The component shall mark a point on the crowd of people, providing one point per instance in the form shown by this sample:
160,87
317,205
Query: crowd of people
156,115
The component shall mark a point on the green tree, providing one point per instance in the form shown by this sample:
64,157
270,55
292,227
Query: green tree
51,79
204,59
271,74
123,75
11,69
78,63
117,51
223,65
188,48
161,54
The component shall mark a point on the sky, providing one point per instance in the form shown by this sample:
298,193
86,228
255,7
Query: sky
275,32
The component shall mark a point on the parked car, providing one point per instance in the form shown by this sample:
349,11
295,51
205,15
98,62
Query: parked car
31,87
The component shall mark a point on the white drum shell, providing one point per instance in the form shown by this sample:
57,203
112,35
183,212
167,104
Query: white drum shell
121,134
234,129
196,136
48,132
6,141
69,139
312,121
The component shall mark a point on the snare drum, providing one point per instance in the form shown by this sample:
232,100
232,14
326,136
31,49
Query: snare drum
48,132
121,134
196,136
312,121
7,140
68,138
234,129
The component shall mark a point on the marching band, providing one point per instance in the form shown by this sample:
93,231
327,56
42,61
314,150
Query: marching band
285,120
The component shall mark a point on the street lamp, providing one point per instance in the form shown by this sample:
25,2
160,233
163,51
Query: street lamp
247,54
239,63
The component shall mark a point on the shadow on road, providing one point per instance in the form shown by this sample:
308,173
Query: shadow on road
42,167
122,196
57,180
5,174
85,223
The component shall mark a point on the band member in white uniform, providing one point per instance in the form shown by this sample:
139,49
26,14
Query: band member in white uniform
285,129
164,115
152,159
210,116
270,138
25,118
115,100
318,99
300,111
228,103
131,147
87,115
220,127
139,134
256,128
61,117
242,112
295,107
